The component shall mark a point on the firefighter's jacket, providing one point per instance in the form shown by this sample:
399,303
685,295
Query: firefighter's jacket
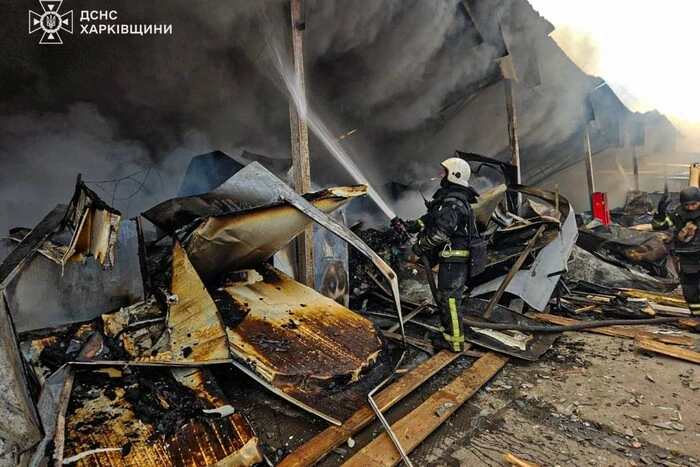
447,225
686,237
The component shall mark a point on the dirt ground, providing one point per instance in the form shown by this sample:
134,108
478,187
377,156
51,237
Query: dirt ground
620,407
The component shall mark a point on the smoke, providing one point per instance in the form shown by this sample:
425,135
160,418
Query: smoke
581,47
415,78
42,154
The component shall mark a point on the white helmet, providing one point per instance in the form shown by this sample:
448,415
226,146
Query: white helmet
458,171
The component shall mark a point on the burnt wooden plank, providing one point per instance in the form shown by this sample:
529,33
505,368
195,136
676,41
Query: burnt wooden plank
28,246
417,425
658,347
319,446
615,331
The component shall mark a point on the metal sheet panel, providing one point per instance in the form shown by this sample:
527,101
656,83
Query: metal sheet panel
19,422
195,328
246,239
536,284
45,294
305,345
252,187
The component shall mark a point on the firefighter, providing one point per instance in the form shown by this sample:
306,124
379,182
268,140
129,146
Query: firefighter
686,241
445,232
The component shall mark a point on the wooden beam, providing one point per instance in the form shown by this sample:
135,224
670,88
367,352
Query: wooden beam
658,347
512,460
513,130
615,331
18,258
661,299
300,143
417,425
635,168
319,446
589,164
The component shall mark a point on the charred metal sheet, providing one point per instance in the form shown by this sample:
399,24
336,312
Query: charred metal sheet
536,284
252,187
77,291
298,341
587,267
116,322
487,203
18,258
95,226
246,239
627,248
19,421
153,421
195,328
242,192
51,250
192,332
49,405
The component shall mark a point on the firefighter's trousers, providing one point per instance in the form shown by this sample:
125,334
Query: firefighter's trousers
452,277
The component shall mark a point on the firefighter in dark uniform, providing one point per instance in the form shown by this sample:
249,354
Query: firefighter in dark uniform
444,232
686,241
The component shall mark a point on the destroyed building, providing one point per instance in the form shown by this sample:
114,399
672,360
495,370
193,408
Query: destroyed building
187,335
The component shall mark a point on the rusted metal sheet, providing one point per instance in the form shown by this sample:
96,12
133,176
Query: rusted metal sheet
253,187
246,239
153,421
305,345
242,192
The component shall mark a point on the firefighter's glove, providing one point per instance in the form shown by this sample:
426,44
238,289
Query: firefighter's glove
687,232
662,207
412,226
421,247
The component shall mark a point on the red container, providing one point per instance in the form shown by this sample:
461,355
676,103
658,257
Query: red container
599,204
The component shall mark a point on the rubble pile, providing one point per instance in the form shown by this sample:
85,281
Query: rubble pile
117,370
128,384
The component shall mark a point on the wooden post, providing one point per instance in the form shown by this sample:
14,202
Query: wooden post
513,132
589,164
635,168
300,144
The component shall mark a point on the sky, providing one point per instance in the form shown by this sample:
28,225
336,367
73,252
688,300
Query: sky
645,49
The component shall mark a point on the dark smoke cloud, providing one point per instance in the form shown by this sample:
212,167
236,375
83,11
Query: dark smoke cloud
414,77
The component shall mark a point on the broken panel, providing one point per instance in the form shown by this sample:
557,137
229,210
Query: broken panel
45,294
248,238
152,421
536,284
95,226
300,343
19,422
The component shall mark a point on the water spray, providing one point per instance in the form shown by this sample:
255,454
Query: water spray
316,124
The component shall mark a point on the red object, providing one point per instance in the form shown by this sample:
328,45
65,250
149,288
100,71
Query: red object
599,204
